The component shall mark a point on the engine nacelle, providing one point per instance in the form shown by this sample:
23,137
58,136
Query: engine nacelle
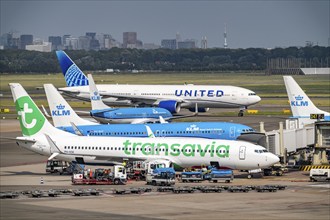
199,109
171,105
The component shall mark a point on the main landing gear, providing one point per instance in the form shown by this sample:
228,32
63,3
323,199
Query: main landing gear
241,113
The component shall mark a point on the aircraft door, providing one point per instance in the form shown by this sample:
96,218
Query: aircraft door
136,92
242,151
232,132
234,95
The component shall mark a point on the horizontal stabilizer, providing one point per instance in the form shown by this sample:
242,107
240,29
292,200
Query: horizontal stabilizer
53,156
53,146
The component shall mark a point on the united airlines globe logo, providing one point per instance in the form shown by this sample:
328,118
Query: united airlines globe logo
74,77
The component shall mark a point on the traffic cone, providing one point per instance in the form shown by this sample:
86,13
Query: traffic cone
41,180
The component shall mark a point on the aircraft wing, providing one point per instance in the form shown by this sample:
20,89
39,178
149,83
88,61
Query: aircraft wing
20,140
118,159
141,99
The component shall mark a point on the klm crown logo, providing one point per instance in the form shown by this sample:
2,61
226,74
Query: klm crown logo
95,96
60,107
299,101
60,111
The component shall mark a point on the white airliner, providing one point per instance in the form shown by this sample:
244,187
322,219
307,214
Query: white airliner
301,105
40,136
170,97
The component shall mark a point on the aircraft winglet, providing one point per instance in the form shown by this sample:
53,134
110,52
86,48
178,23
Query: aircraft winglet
96,99
76,129
45,112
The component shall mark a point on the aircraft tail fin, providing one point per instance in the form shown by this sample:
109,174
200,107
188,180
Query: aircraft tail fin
31,119
301,105
72,74
96,99
61,111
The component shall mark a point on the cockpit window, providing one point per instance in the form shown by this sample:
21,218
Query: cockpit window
261,151
251,94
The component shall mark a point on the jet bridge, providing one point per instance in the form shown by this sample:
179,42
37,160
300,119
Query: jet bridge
314,137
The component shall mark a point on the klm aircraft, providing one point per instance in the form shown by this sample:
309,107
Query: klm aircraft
64,118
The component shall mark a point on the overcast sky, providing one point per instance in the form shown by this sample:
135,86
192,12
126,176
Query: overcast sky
262,24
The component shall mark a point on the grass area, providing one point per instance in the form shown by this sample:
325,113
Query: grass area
266,87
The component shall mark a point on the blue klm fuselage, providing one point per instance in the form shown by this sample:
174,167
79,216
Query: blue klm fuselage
211,130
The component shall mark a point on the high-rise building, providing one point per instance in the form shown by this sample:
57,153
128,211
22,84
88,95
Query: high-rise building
56,42
130,40
94,44
204,43
71,43
187,44
169,44
225,45
65,41
84,43
7,41
25,39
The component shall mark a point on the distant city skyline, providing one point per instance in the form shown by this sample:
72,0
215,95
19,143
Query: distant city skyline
262,24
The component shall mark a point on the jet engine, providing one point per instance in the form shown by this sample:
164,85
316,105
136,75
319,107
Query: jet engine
171,105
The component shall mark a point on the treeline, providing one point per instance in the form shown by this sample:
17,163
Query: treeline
251,59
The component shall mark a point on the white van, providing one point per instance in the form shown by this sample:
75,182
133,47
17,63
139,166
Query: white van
319,175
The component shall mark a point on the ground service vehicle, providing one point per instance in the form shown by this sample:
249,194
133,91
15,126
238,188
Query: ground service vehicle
56,166
192,176
162,177
221,175
63,167
319,175
101,176
277,169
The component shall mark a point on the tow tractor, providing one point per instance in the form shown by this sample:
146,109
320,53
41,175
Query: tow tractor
101,176
277,169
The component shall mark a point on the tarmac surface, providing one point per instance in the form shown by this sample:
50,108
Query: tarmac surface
22,170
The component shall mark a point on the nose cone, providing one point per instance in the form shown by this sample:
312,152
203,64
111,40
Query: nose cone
272,159
255,99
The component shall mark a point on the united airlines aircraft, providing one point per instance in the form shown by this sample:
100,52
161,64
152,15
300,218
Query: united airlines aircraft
41,137
170,97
